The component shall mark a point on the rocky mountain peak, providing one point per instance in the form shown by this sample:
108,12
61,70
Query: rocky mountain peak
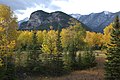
98,21
42,20
106,12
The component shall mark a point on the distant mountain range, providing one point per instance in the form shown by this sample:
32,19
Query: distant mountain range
41,20
96,21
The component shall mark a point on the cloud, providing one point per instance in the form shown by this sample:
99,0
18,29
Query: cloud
21,14
87,6
16,4
23,8
24,4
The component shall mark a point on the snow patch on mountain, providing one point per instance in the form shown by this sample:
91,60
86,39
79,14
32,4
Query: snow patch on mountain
76,16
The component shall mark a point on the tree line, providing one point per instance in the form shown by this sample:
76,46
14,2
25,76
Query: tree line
43,52
54,52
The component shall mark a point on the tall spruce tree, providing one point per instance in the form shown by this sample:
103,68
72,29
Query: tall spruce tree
58,43
59,61
33,62
72,55
112,65
34,47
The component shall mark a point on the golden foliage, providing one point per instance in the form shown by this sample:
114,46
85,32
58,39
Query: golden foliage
8,32
25,37
49,42
93,38
107,36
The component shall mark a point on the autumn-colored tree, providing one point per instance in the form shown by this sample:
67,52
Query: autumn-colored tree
51,47
49,43
40,36
73,40
8,36
24,39
107,36
94,39
75,34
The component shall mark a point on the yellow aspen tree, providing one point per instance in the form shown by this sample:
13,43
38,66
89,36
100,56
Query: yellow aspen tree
8,35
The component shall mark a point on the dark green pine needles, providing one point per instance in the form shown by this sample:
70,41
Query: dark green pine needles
112,65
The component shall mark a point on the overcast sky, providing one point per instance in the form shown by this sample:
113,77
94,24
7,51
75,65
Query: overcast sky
23,8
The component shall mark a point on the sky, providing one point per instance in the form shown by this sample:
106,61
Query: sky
23,8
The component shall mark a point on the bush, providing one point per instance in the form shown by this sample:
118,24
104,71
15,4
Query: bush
88,59
67,62
8,72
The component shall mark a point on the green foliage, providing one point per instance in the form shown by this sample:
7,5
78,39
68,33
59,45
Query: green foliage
80,60
59,62
33,62
74,35
112,65
72,55
73,41
8,72
58,43
54,66
88,59
67,62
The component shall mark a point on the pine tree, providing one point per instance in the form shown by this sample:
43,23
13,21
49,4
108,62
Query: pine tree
34,47
33,62
112,65
58,59
58,43
88,59
72,55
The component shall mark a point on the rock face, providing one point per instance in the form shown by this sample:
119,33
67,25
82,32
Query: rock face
97,21
41,20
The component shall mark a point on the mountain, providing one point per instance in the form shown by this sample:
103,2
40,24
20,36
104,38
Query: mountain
76,16
97,21
24,20
41,20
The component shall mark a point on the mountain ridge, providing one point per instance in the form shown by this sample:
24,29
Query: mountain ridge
97,21
41,20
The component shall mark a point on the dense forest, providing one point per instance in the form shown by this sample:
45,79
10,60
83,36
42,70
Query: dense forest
55,52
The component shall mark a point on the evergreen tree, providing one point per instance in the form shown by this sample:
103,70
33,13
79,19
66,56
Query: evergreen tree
88,59
58,43
34,47
79,61
112,65
72,55
33,62
58,58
